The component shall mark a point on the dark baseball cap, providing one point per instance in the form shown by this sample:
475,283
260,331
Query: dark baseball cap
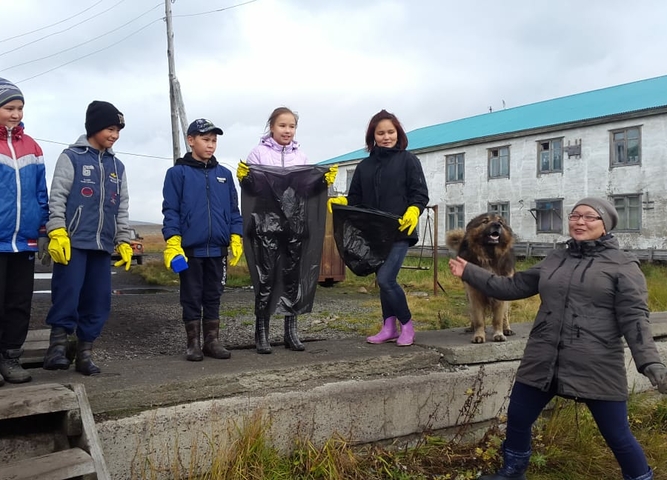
201,126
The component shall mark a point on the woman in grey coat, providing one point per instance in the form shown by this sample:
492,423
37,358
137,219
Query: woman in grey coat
592,296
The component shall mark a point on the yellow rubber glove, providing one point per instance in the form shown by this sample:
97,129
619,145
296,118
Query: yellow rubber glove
60,247
125,252
330,176
409,220
236,246
336,200
172,250
242,170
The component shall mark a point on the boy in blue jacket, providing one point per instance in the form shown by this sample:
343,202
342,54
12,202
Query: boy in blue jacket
88,220
201,222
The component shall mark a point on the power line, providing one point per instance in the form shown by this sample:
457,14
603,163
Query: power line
61,31
120,153
214,11
92,53
52,25
81,44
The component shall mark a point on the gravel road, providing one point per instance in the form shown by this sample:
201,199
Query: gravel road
144,324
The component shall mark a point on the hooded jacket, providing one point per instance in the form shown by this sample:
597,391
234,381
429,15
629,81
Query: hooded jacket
24,201
270,152
89,197
592,296
390,180
201,205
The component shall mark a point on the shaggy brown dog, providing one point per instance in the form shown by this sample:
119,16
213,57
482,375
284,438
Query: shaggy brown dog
487,241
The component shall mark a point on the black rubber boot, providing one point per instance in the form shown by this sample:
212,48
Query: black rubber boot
514,467
10,366
262,335
84,359
193,331
212,345
291,335
56,355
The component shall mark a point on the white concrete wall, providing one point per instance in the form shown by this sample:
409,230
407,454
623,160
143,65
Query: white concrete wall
588,175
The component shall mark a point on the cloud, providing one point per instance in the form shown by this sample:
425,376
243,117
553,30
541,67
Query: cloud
335,63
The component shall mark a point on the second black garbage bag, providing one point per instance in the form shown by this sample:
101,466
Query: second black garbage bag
364,237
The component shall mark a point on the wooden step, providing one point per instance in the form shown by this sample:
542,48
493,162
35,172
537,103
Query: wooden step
35,400
69,463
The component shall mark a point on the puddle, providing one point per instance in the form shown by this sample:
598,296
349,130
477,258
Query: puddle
140,291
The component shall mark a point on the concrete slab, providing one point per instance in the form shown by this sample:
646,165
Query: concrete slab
150,411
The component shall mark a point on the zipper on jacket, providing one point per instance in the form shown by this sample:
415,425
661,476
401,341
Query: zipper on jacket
594,335
208,211
17,175
100,222
282,156
76,219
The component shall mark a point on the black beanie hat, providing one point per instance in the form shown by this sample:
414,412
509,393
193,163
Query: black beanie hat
101,115
604,208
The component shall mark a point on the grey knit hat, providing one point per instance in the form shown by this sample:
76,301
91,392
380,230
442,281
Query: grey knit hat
604,208
9,92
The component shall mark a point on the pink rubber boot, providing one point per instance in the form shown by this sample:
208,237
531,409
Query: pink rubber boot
389,332
407,336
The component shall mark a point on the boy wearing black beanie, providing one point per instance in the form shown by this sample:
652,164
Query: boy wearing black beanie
88,220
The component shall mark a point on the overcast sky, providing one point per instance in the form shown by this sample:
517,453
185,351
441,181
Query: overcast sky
334,62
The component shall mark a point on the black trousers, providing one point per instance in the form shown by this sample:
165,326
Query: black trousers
17,274
201,288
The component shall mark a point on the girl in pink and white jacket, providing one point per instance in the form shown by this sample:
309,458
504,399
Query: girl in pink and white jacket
279,149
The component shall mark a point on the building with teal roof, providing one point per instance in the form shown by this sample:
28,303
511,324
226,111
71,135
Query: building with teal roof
533,162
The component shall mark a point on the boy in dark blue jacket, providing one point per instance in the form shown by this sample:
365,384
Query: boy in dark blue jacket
201,222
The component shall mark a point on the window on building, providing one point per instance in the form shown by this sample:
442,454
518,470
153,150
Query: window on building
550,156
548,215
626,147
455,217
454,165
629,208
499,162
502,209
349,173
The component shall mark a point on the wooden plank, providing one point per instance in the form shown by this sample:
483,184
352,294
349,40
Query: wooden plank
89,439
36,399
69,463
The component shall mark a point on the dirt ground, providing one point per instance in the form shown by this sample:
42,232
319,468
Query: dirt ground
146,321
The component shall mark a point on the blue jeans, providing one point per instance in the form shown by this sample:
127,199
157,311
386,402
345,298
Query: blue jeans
611,417
392,296
81,294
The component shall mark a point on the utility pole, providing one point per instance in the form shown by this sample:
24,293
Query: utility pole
173,104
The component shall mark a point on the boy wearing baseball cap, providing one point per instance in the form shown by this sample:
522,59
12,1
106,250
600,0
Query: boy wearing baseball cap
23,217
88,220
202,222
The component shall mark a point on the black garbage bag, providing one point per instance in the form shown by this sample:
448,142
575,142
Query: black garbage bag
364,237
284,214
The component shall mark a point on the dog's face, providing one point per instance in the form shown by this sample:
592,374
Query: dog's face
490,229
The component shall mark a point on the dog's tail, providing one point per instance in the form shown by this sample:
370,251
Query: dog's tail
454,239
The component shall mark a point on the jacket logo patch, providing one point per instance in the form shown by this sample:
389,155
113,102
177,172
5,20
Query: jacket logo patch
113,178
221,179
87,192
87,170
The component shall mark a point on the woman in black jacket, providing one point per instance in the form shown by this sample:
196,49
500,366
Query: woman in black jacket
593,295
390,179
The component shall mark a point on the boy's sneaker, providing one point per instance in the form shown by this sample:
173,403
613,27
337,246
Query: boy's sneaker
10,367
